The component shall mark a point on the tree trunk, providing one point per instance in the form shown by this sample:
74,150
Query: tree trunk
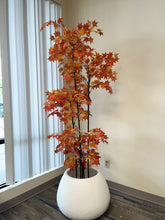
88,120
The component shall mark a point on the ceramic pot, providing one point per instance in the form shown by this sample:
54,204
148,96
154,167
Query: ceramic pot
85,198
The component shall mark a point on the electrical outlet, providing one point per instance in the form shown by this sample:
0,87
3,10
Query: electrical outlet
107,163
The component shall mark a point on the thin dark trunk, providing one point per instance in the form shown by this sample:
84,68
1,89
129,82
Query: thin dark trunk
88,168
76,167
73,123
88,141
83,171
88,120
79,128
74,149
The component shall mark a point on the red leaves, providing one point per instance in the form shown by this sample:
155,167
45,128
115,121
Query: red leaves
45,24
60,20
69,143
94,23
83,70
63,104
93,138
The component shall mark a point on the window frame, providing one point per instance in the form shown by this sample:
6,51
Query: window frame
5,62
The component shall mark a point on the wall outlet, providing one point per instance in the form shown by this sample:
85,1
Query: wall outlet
107,163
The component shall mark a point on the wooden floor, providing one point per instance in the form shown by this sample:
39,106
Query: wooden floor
122,207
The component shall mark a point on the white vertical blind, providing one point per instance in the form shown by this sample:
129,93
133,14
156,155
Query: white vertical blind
18,89
49,84
52,12
31,76
59,84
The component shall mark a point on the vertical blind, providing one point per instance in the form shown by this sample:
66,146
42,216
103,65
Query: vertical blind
31,76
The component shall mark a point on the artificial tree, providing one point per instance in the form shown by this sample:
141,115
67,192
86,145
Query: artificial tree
83,70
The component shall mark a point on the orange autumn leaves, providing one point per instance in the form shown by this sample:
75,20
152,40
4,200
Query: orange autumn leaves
63,104
83,70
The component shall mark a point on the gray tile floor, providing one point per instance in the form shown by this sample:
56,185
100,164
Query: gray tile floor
122,207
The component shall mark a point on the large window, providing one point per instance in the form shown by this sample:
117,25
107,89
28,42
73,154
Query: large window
28,151
2,146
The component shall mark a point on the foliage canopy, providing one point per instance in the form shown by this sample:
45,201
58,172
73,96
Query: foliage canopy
83,70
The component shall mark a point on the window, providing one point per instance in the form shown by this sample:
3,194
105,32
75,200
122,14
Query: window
28,151
2,146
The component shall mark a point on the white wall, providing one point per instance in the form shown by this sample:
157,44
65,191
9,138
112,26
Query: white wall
134,116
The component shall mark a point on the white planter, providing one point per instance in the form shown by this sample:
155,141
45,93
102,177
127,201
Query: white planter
83,199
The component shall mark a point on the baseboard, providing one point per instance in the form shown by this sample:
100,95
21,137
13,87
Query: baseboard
136,193
15,201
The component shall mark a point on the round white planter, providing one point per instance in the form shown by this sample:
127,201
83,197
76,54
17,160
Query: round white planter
83,199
